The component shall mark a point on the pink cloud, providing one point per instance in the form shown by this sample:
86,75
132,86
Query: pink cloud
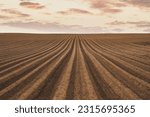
117,3
74,10
32,5
15,12
139,3
107,6
79,11
110,10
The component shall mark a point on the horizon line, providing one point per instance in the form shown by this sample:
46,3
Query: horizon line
74,32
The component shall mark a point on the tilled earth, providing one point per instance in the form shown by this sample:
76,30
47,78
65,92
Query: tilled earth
74,66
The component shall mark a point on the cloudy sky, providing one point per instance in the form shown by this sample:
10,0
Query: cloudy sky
77,16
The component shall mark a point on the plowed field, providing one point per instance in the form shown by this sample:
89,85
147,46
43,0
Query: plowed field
74,66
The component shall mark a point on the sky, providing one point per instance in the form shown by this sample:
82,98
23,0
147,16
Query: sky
75,16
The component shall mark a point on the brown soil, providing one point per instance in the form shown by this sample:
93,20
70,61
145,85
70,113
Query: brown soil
74,66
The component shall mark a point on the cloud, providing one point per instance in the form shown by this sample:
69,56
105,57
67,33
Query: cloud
79,11
33,25
111,10
53,27
147,30
15,12
74,10
4,17
63,12
107,6
139,3
139,24
32,5
117,3
116,23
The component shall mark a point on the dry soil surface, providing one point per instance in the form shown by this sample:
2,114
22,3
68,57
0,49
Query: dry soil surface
74,66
